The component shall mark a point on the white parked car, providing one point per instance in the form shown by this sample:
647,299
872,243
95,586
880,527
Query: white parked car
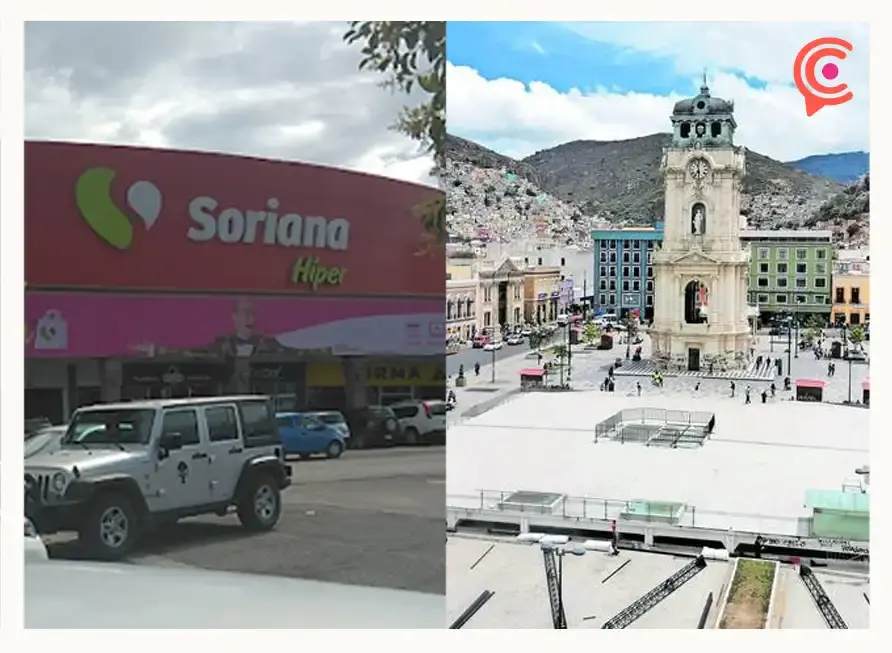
422,421
334,419
493,346
515,340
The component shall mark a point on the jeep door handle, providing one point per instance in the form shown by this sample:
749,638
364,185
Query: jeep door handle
199,456
235,450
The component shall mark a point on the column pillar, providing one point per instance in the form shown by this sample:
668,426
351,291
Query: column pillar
110,380
355,381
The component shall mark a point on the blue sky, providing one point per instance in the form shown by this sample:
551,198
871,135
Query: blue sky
553,82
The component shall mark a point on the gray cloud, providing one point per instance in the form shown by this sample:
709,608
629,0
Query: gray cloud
277,90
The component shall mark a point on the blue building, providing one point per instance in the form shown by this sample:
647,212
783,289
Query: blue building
623,275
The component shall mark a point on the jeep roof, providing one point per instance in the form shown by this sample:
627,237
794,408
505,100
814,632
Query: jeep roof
174,403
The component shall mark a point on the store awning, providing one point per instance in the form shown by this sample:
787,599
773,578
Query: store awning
810,383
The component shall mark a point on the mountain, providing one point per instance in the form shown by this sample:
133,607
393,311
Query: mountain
620,181
847,214
845,167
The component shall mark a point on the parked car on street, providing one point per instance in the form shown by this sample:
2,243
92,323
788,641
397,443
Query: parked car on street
423,422
514,340
123,468
333,418
373,426
304,435
493,345
480,342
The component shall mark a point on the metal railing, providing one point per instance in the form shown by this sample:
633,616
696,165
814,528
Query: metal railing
617,423
583,510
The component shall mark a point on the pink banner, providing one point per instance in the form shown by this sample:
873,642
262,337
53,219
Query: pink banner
83,325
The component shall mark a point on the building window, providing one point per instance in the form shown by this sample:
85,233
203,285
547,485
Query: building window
613,284
636,244
626,257
650,258
821,254
626,272
801,282
650,286
636,272
602,300
603,271
612,272
449,307
763,268
612,299
636,257
612,244
764,253
563,262
613,257
801,299
603,284
802,268
636,286
839,318
761,299
801,254
820,268
650,300
650,273
783,254
540,260
781,282
840,294
487,319
762,282
650,244
855,319
856,295
817,299
780,299
625,285
867,317
603,256
781,268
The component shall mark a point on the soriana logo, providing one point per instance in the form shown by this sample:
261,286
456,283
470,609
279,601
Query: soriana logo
211,222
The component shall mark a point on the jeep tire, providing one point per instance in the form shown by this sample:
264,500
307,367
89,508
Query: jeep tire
109,528
334,449
259,503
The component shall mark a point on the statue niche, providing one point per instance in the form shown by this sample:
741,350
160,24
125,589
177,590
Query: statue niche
695,302
698,219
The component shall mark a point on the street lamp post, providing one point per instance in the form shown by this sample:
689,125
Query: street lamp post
796,321
850,379
789,350
498,330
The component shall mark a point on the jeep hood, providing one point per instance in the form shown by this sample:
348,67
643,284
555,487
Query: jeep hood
85,460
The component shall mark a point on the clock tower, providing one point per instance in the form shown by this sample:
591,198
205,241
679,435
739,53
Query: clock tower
700,314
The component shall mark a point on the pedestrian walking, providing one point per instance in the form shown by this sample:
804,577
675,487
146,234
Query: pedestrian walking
476,369
747,399
638,387
697,387
733,388
764,396
773,389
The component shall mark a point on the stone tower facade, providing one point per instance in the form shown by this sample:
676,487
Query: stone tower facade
700,316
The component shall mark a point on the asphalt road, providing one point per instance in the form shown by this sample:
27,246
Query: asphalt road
370,518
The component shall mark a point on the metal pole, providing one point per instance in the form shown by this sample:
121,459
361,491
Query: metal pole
494,364
628,337
850,380
560,561
796,353
789,350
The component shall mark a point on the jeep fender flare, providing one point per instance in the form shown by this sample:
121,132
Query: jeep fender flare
266,464
86,490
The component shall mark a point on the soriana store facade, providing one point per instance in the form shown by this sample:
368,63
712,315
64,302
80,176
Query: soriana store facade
153,273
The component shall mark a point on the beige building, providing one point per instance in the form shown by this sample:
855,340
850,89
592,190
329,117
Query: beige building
541,291
500,294
701,269
461,309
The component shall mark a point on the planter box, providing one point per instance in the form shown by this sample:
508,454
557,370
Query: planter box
749,600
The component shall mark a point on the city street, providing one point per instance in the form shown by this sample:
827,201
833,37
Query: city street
469,356
370,518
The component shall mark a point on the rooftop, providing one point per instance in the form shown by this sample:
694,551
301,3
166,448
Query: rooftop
516,573
787,234
846,592
751,475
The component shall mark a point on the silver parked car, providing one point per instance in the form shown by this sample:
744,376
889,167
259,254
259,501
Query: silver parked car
121,468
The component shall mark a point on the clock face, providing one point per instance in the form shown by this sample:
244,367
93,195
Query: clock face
698,168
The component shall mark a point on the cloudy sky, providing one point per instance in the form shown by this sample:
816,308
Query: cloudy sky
275,90
522,87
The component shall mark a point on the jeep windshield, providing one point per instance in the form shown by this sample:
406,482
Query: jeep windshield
124,426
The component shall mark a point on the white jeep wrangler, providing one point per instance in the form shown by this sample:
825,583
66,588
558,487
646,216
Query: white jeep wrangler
122,468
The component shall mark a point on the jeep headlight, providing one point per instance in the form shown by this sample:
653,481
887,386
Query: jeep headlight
59,482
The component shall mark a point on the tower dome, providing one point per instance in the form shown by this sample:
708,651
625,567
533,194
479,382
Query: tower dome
703,120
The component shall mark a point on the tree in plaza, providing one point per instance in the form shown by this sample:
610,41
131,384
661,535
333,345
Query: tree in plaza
412,55
591,333
561,352
855,335
814,330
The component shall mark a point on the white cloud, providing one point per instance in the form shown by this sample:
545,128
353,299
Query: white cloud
518,119
276,90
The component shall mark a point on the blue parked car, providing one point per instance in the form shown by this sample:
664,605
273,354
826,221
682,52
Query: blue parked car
303,435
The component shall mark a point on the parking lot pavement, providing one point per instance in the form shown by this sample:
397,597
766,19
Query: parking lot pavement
370,518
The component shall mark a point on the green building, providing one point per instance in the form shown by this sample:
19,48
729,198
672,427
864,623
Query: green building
790,272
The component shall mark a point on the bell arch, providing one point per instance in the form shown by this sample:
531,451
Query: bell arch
696,301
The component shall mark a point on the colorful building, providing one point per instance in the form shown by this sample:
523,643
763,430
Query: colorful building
154,273
623,275
851,291
790,272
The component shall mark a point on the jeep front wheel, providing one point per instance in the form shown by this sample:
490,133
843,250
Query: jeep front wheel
109,528
260,503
